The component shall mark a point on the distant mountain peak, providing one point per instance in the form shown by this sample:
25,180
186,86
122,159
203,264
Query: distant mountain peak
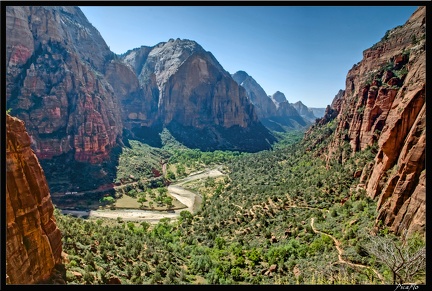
278,97
240,76
304,111
188,45
275,114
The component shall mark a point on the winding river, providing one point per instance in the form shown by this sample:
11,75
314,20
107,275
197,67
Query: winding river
188,198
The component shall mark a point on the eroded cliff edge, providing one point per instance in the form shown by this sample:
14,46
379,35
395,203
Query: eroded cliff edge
33,241
384,106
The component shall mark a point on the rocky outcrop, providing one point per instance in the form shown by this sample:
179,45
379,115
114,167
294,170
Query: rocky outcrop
331,111
278,98
191,94
54,82
274,111
138,102
33,241
384,105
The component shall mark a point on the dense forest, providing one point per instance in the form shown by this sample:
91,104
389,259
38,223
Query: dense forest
280,216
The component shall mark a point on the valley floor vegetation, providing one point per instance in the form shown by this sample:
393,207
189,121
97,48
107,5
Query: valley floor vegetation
281,216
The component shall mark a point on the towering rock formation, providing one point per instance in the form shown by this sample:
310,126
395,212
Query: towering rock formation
285,111
33,241
79,99
278,98
384,105
263,104
55,63
195,98
275,112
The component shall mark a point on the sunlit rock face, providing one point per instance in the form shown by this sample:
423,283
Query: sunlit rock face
384,103
55,61
195,98
79,100
33,241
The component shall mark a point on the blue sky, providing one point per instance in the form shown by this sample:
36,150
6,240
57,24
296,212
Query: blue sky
304,52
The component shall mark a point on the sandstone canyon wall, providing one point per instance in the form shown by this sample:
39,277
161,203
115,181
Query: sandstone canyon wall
54,82
384,105
33,241
79,100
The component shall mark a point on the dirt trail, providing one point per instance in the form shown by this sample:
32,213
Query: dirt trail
183,195
340,251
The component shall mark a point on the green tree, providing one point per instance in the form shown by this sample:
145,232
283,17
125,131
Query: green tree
220,242
181,170
236,273
254,255
108,200
88,277
162,191
131,225
145,225
186,216
168,201
142,199
170,175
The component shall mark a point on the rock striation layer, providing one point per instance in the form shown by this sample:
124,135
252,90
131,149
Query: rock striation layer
55,64
33,241
384,105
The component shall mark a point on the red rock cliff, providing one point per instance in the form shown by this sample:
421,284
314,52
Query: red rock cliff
55,82
33,241
384,104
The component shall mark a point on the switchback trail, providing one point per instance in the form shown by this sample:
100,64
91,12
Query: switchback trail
340,251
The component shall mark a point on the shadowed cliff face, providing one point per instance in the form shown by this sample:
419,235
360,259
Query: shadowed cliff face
33,241
275,112
304,111
384,105
264,105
